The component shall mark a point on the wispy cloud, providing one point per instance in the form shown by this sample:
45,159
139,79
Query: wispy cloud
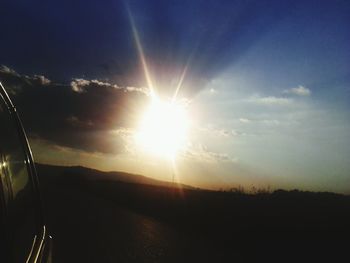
82,85
244,120
213,91
6,70
271,100
200,153
36,79
299,91
219,132
271,122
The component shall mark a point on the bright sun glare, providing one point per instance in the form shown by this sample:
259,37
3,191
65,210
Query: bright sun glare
163,128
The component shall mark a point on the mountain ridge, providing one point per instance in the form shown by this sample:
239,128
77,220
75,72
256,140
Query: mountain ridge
94,174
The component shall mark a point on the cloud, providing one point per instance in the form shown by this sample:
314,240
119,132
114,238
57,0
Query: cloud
213,91
42,80
271,122
6,70
218,132
82,115
299,91
81,85
244,120
200,153
78,85
138,89
236,133
271,100
74,121
222,132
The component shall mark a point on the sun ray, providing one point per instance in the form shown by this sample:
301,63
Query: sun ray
182,77
179,85
162,134
141,54
175,178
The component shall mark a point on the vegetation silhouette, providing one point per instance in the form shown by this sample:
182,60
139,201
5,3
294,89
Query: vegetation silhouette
131,218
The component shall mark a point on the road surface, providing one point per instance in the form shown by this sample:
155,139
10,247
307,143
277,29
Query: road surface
88,228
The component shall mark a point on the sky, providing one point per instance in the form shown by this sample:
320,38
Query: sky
266,86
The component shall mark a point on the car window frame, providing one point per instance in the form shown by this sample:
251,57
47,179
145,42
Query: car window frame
40,230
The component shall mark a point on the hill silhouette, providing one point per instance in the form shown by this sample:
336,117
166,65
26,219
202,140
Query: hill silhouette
131,218
77,173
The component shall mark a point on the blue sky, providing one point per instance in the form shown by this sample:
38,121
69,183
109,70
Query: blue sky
268,81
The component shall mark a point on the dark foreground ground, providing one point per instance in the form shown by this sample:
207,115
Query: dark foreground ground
93,218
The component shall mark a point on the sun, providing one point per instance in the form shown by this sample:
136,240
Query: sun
163,128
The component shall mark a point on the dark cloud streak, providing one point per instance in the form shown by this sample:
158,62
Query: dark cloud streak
80,120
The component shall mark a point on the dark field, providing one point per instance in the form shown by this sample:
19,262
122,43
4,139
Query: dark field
94,217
